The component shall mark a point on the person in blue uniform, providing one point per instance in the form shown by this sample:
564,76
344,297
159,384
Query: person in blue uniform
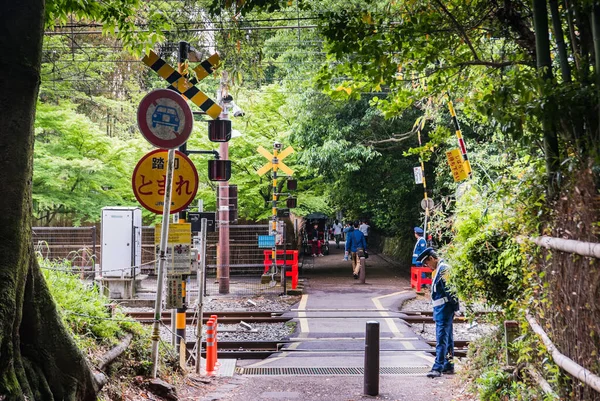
419,246
445,305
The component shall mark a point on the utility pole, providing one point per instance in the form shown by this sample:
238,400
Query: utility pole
223,206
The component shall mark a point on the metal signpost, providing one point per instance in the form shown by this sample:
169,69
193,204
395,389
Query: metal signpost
166,121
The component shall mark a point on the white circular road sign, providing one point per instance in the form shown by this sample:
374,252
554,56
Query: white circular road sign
165,119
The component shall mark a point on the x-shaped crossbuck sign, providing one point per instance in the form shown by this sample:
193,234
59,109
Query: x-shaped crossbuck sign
184,86
275,160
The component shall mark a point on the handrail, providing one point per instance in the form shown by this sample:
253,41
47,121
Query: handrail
562,360
590,249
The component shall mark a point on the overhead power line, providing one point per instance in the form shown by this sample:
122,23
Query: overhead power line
241,28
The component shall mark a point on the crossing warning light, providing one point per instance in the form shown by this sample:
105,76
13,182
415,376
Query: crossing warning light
219,130
291,202
292,184
219,170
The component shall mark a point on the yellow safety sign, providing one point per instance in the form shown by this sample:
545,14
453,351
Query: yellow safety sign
183,85
457,164
149,179
280,165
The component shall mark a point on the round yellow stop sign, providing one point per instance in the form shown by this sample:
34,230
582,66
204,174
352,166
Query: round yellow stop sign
149,180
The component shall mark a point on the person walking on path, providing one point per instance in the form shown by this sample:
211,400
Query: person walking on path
364,228
316,242
356,245
337,233
445,305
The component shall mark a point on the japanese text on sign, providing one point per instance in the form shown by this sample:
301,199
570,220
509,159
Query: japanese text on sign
179,244
149,179
456,162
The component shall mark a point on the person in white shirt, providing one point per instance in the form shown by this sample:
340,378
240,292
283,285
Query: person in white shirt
337,233
364,228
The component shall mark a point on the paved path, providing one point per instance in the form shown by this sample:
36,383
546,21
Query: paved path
331,320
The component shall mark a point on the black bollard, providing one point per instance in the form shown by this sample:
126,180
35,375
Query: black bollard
371,385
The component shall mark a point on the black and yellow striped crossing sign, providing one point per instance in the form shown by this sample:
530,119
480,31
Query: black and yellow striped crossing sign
182,85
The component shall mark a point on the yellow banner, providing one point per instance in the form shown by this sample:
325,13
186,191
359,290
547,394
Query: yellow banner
457,164
179,233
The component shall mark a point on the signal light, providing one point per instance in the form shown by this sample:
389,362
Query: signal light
219,170
219,130
283,213
292,184
291,202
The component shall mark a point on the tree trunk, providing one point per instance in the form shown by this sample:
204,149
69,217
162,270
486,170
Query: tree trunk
38,358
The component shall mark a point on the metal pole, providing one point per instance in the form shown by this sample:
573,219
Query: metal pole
178,314
284,275
94,257
419,128
371,379
223,267
274,210
162,259
200,278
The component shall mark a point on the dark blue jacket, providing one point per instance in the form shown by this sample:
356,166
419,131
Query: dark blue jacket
444,302
355,239
420,246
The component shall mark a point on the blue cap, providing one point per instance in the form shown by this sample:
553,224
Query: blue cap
419,230
425,253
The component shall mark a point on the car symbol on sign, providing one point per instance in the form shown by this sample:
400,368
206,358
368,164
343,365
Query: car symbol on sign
165,115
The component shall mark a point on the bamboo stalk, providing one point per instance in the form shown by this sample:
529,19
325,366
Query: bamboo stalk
544,385
574,369
565,69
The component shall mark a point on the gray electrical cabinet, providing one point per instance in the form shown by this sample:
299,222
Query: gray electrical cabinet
121,241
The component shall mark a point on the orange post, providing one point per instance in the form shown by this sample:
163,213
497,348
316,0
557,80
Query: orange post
216,347
210,346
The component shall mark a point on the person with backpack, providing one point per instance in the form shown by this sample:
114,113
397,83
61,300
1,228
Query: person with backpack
357,246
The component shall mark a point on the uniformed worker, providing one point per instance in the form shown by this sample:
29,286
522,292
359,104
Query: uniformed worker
445,305
419,246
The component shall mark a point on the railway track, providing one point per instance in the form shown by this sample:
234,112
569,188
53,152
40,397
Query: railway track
224,317
243,349
264,349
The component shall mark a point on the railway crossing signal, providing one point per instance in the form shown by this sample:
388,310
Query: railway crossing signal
275,160
275,163
182,85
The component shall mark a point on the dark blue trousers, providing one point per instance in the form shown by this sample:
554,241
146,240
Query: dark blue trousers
444,349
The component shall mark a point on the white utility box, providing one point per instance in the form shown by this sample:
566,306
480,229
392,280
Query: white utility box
121,242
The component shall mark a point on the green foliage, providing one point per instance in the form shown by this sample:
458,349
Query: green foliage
83,310
118,18
77,168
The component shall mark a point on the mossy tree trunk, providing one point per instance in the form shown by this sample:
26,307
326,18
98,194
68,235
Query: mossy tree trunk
38,358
